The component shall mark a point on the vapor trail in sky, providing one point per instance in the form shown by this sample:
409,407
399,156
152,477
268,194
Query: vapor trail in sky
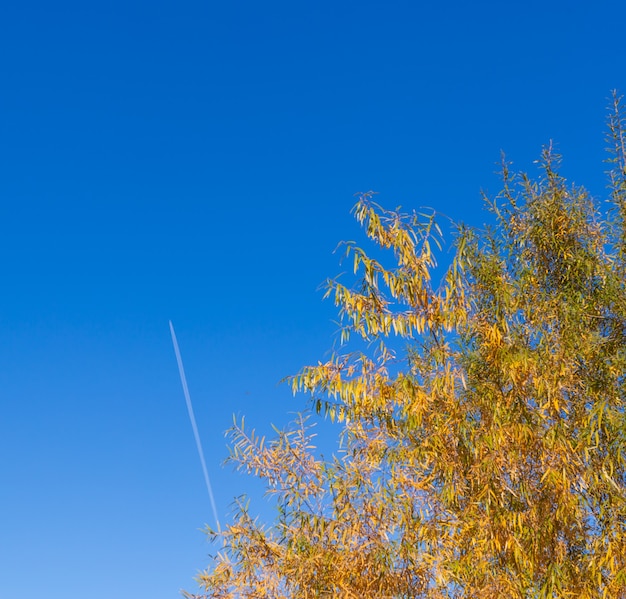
183,380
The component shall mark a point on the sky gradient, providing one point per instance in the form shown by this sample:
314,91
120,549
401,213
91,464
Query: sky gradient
197,161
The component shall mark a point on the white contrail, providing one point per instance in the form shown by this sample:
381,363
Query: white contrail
183,380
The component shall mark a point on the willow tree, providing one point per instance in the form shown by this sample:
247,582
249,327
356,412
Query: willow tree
482,421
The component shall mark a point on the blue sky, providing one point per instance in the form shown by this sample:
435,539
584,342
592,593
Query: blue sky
197,161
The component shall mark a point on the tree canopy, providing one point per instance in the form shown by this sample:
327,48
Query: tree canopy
482,420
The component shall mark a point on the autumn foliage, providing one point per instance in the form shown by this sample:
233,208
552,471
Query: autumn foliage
482,418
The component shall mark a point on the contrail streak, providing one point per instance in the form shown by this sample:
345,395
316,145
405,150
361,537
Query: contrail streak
183,380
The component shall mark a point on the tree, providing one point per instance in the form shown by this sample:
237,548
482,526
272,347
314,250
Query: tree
483,428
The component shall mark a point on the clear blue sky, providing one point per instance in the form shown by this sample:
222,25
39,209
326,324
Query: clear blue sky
196,161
